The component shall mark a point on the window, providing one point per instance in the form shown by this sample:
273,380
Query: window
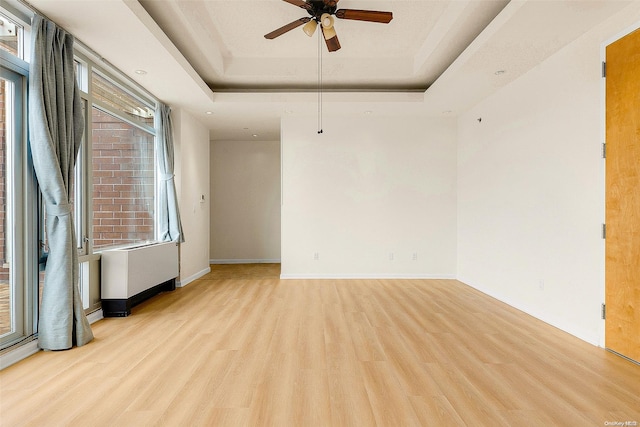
18,189
9,293
11,36
123,166
123,182
115,98
16,269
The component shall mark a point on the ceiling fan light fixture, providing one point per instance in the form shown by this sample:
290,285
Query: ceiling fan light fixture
324,12
310,27
326,20
329,33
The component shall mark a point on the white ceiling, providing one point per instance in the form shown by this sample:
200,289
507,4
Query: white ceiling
436,57
224,42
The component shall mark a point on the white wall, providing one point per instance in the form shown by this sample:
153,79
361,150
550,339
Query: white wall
245,219
192,182
531,189
365,189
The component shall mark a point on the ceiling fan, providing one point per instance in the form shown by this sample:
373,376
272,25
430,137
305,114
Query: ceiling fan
322,12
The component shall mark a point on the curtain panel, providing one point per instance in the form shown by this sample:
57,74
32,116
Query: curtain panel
56,126
169,214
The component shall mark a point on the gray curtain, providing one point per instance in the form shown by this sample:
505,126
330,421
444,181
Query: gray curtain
169,214
56,126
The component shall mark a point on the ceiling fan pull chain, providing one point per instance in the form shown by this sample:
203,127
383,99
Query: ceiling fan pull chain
320,37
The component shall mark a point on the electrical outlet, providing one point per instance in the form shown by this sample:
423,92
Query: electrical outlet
414,257
316,256
391,256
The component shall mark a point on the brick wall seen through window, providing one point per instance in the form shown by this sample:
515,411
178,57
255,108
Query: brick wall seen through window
123,182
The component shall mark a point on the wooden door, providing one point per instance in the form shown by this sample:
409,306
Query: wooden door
622,270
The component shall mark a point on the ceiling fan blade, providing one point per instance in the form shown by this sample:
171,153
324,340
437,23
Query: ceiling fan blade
299,3
330,3
331,38
365,15
285,28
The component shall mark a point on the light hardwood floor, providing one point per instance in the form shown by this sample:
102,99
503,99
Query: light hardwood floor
240,347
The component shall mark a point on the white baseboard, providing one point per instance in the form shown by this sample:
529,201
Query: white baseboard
184,282
244,261
95,316
369,276
21,352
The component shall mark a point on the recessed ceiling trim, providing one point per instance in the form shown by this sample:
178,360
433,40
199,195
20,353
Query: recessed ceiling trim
442,27
311,97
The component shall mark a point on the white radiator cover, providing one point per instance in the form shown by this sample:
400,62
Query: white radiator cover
129,271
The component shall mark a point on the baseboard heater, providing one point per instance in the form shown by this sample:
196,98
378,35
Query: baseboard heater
132,275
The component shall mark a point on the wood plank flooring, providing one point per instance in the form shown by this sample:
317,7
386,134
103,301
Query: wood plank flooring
240,347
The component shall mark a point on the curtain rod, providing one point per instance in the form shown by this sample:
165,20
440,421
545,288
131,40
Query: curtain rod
30,7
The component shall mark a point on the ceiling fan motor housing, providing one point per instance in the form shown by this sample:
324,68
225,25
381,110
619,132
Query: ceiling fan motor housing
320,7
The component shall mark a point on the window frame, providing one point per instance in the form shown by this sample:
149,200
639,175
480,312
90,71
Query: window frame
130,88
23,23
22,195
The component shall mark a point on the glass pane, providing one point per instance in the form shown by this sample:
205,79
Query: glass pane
7,306
9,35
121,101
77,199
123,182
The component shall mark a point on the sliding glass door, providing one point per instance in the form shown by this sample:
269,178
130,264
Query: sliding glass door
13,317
18,189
